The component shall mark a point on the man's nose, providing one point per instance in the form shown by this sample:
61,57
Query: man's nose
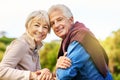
56,24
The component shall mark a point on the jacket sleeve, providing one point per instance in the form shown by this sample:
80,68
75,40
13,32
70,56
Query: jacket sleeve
78,57
12,57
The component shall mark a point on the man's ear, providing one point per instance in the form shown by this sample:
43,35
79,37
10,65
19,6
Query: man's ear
71,19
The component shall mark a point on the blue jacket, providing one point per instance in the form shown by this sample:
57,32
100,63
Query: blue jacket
82,67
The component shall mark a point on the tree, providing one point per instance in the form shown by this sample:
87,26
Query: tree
48,55
112,46
2,33
4,42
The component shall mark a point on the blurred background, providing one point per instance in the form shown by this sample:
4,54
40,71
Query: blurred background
102,17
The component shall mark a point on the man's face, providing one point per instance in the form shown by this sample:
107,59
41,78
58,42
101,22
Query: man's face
60,24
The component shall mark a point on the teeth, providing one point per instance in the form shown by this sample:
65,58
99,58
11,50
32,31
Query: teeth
59,29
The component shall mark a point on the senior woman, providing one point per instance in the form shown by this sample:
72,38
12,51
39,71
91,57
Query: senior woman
21,60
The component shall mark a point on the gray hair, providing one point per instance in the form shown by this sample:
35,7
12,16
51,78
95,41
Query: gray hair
66,11
41,14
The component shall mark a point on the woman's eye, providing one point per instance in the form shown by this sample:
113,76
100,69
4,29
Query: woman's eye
36,25
46,27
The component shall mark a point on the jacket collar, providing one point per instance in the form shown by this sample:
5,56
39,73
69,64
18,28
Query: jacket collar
31,42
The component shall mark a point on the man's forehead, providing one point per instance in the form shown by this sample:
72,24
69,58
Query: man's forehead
55,16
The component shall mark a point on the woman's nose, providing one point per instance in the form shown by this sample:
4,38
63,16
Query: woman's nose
40,29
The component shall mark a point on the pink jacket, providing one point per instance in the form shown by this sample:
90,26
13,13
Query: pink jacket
20,58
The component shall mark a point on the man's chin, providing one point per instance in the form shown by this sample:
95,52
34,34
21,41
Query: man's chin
60,36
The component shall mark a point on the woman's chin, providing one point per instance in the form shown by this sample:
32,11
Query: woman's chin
38,40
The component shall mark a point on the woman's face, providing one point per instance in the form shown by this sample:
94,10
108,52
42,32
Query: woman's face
38,29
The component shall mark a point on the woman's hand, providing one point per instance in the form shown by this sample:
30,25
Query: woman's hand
44,74
63,62
33,76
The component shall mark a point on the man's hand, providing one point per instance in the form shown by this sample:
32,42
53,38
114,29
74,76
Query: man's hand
63,62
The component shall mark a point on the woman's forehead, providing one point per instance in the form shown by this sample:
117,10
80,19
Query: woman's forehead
40,20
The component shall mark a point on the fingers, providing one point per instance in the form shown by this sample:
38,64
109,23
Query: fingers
38,72
63,65
33,76
65,54
65,58
63,62
45,75
41,76
49,76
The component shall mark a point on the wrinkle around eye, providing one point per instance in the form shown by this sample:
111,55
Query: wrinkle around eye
60,19
52,23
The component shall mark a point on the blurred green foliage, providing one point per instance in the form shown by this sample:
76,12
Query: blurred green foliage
48,55
2,46
4,42
112,47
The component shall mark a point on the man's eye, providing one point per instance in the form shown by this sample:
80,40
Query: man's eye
59,19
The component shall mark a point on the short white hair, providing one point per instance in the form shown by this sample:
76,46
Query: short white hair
41,14
66,11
